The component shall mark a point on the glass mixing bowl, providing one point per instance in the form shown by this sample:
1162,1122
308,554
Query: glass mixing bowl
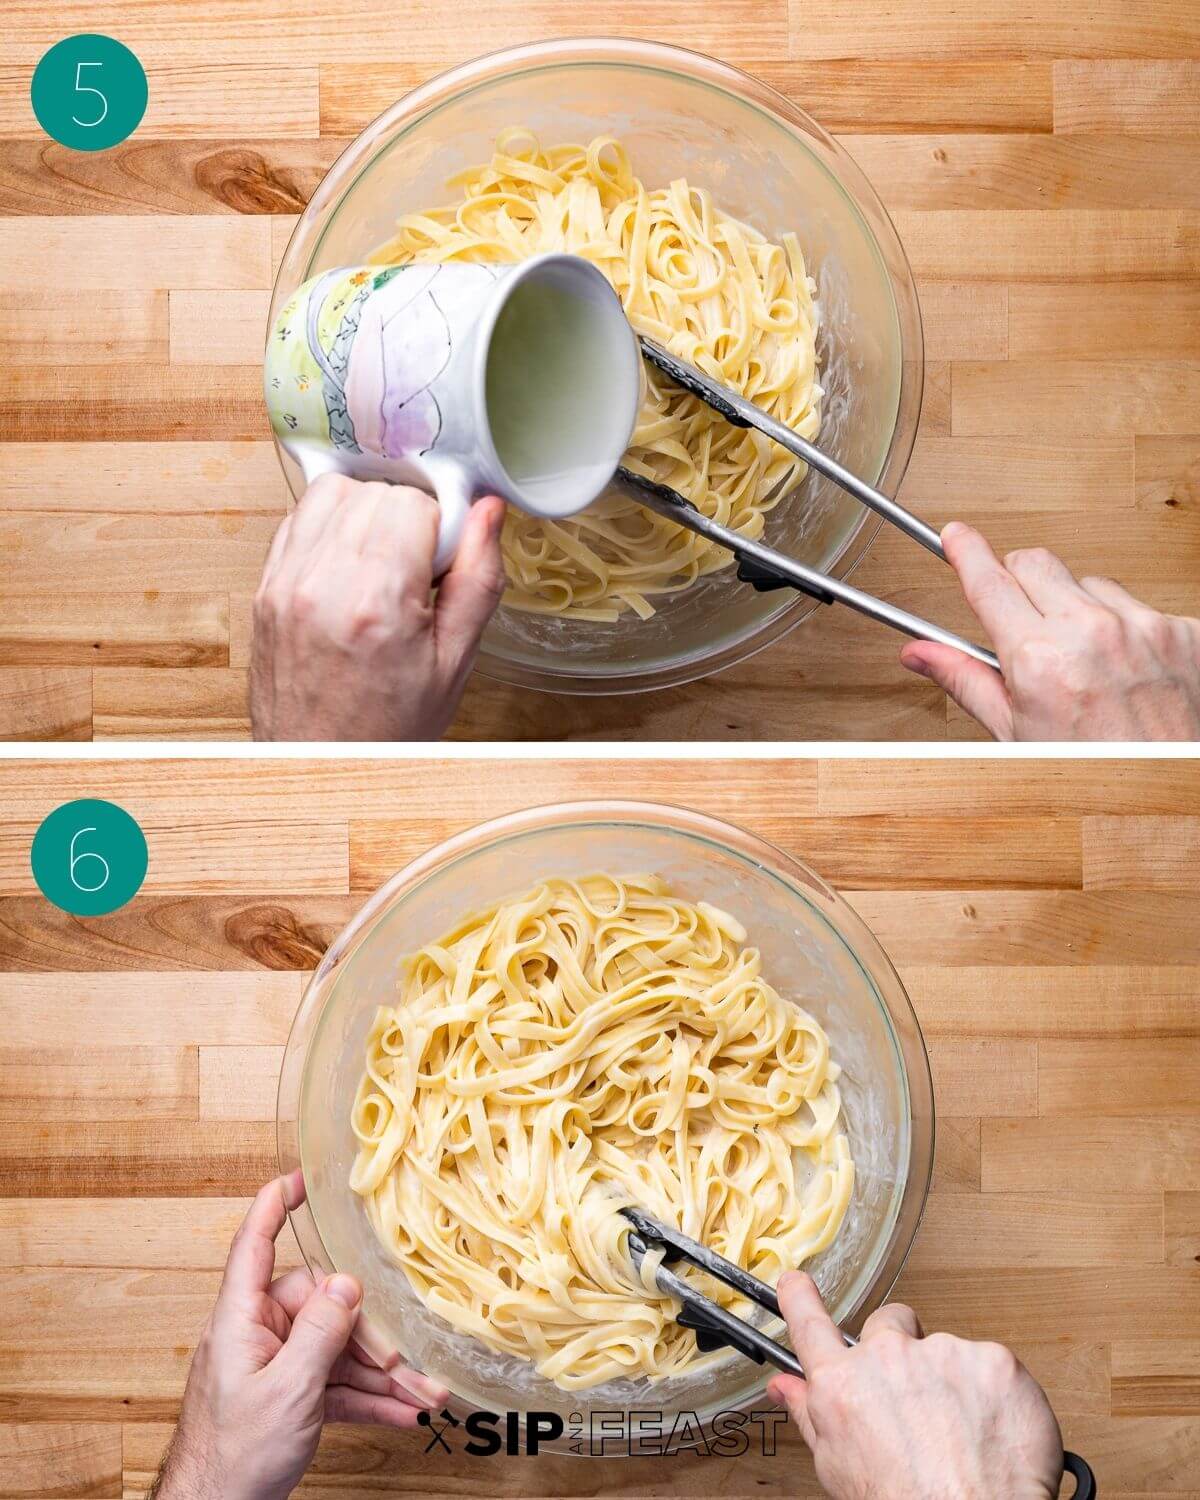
816,952
767,163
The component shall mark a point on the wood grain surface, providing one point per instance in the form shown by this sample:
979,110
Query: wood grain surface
1042,165
1042,916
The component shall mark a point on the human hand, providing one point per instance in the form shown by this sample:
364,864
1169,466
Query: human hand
274,1363
348,643
1081,660
914,1418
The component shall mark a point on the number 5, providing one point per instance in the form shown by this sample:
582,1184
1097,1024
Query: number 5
78,859
86,88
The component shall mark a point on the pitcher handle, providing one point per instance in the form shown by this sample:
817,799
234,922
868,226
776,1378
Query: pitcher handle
455,491
451,484
315,459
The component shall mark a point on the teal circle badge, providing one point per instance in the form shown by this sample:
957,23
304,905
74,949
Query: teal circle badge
89,857
89,92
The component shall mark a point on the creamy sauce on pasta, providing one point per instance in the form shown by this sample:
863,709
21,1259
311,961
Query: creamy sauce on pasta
593,1043
709,288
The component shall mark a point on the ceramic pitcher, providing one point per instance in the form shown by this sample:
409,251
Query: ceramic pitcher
522,381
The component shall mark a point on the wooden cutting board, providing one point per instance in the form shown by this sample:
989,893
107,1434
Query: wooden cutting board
1042,916
1042,164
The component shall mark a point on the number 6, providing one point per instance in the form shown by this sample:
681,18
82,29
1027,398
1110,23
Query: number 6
78,859
86,88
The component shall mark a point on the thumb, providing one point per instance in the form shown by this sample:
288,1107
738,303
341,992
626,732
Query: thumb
470,591
320,1332
977,689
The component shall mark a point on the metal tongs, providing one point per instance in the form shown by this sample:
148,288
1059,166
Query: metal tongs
763,566
713,1325
715,1328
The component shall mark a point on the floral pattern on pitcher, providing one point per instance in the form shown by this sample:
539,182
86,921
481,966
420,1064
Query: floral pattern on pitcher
319,327
308,373
405,348
371,372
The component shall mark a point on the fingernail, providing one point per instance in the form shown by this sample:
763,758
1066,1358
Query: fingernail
915,665
427,1391
293,1190
343,1289
951,529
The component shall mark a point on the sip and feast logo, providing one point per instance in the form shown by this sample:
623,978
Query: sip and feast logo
604,1434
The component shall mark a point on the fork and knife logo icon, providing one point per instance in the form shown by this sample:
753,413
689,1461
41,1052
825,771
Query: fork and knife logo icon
425,1419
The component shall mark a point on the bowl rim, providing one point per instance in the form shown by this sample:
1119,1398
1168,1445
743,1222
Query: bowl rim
700,67
619,678
862,944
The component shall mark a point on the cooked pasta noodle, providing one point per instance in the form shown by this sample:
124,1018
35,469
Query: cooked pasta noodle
595,1042
712,290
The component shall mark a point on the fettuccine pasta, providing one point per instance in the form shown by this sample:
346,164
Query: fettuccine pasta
593,1043
712,290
